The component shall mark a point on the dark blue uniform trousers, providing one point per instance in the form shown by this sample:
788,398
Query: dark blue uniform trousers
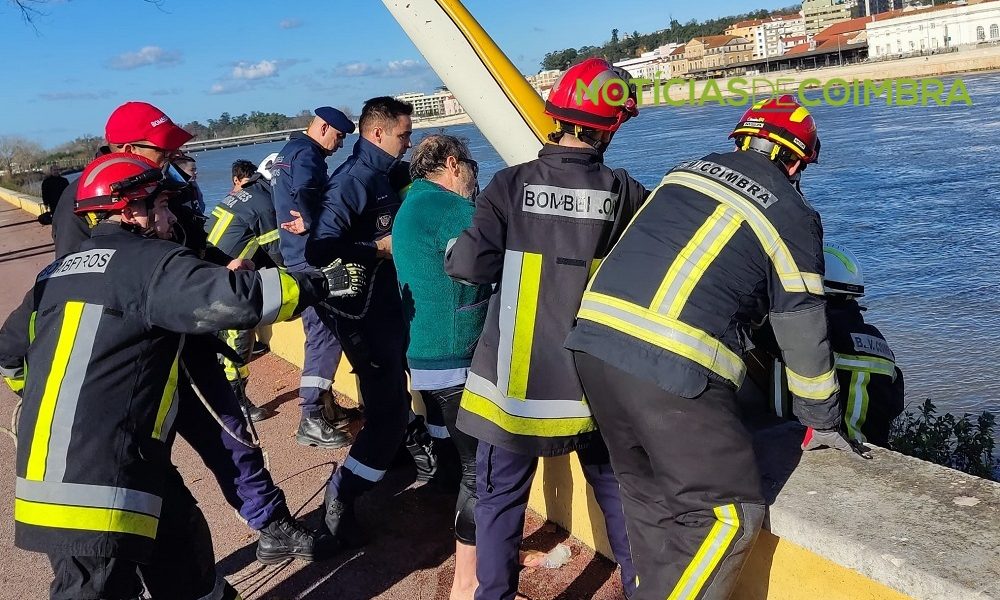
376,346
240,470
503,482
322,354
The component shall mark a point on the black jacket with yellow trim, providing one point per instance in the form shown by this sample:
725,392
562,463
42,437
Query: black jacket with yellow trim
244,225
95,431
721,244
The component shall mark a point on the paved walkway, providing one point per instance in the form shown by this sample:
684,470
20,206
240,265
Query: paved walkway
411,556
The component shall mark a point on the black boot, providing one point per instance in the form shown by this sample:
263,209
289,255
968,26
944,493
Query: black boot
335,414
420,445
286,538
342,522
317,431
250,410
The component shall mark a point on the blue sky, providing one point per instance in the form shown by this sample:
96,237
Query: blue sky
197,59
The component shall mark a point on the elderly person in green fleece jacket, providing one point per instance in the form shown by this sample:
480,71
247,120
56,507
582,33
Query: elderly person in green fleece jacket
445,317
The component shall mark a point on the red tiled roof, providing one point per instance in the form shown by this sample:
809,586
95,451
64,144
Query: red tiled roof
678,50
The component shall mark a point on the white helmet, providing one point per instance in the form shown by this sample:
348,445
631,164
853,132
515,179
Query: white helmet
843,271
265,165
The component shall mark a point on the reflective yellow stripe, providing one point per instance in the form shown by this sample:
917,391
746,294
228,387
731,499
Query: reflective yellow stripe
788,273
84,518
692,261
267,238
31,326
709,555
289,297
820,387
520,425
872,364
38,454
524,325
224,218
520,93
249,249
166,401
15,383
857,405
595,264
664,332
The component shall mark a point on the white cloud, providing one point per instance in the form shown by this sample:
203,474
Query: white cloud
290,23
394,68
228,87
144,57
404,67
355,69
261,70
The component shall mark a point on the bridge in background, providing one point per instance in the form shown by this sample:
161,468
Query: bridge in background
239,140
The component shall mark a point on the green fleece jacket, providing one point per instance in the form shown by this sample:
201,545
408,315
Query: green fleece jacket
445,317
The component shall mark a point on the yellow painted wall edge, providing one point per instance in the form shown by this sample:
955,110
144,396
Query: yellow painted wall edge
777,569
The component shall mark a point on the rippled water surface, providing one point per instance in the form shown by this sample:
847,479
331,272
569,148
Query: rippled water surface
914,191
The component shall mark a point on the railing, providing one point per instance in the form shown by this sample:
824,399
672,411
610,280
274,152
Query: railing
239,140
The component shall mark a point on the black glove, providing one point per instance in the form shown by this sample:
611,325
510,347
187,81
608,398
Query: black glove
833,438
344,280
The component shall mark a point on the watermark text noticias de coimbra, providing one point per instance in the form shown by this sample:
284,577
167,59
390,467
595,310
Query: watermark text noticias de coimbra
740,91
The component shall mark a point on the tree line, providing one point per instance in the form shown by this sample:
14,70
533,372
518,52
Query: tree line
622,46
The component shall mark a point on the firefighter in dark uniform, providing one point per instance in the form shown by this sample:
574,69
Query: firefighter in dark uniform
95,488
722,243
539,229
355,223
239,469
298,177
243,225
871,385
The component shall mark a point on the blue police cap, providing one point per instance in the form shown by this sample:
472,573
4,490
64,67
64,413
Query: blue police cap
336,119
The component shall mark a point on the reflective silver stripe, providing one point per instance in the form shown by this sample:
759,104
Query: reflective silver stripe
532,409
714,356
857,404
438,432
777,391
788,273
13,373
712,551
510,286
79,494
270,287
69,392
854,362
314,381
820,387
362,470
249,249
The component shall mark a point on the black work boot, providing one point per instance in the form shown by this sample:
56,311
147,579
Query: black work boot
342,522
317,431
286,538
335,414
250,410
420,445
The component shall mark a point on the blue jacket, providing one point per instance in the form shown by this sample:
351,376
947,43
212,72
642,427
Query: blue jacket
358,208
298,177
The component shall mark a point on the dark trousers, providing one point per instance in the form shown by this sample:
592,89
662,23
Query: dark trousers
689,481
376,346
503,482
443,404
322,357
239,470
182,567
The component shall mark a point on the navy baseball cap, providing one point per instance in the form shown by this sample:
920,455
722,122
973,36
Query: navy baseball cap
336,119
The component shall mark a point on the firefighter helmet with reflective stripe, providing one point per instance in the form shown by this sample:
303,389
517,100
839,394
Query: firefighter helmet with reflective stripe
843,271
784,123
111,181
593,94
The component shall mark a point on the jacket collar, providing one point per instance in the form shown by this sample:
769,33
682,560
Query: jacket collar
568,154
373,156
109,228
298,135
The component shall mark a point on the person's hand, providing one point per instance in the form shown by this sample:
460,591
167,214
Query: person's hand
833,438
296,225
241,264
344,280
383,247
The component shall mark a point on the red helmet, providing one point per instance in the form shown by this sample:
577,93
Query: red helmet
615,103
783,122
111,181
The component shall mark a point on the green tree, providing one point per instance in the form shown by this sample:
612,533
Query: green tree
614,37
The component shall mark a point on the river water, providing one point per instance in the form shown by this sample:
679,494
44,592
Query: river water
914,191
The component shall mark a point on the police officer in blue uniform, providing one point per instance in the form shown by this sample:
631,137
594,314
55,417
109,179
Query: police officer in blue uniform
355,221
298,177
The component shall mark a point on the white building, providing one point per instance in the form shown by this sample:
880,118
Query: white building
427,105
543,80
935,28
654,64
778,28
